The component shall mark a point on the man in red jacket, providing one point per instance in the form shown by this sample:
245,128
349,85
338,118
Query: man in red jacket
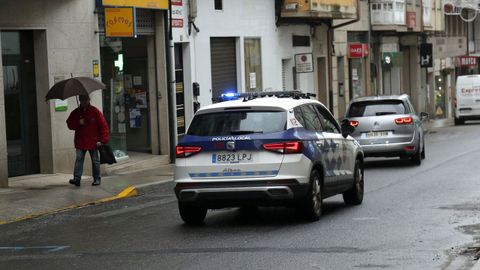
91,131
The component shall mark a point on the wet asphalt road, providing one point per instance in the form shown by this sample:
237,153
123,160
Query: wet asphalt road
411,218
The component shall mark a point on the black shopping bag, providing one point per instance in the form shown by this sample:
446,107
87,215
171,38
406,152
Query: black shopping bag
106,154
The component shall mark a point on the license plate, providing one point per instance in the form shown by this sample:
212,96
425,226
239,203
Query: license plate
375,134
232,157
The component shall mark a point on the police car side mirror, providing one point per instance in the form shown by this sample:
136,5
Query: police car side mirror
347,129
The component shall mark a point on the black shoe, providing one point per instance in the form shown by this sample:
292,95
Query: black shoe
74,182
96,182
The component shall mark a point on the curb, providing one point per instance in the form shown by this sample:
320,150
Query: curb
129,191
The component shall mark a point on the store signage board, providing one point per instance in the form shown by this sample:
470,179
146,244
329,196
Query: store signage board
426,55
152,4
120,22
304,63
357,50
466,61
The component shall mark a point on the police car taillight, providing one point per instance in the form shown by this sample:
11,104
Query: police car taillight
284,147
186,151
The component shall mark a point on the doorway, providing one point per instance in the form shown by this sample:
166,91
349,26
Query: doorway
323,91
342,101
20,103
126,100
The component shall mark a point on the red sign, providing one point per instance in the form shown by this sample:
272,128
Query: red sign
411,19
357,50
466,61
177,23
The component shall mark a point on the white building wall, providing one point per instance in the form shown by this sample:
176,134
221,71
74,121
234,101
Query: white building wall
245,19
71,46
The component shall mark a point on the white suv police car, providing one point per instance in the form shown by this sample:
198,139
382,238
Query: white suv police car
265,149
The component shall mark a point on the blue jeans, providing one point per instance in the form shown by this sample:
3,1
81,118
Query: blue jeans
80,158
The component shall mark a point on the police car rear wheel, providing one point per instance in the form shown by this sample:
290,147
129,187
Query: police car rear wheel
192,214
313,204
354,196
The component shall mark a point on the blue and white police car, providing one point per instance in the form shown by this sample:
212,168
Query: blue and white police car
266,149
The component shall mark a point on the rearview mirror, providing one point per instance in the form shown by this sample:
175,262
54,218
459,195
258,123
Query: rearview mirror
347,129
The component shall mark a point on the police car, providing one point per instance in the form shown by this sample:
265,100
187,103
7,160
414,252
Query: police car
266,149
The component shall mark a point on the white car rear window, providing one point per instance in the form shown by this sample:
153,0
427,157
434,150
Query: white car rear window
376,108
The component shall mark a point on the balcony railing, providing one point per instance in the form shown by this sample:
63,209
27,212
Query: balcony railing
307,10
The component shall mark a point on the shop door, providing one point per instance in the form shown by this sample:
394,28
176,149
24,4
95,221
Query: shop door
224,65
20,102
136,104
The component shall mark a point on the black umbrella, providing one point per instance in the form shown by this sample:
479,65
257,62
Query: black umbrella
76,86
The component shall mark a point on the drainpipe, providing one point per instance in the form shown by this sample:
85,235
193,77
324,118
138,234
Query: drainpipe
329,49
171,83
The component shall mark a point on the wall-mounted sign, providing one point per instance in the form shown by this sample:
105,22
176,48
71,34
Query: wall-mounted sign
426,55
411,19
177,13
120,22
61,105
156,4
466,61
357,50
96,69
304,63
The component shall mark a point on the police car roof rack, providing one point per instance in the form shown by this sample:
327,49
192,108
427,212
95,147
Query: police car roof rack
253,95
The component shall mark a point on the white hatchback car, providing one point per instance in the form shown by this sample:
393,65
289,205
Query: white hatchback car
264,149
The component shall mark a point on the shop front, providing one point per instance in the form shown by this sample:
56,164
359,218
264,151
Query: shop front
357,54
129,70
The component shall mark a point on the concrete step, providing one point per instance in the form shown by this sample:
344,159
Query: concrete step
139,163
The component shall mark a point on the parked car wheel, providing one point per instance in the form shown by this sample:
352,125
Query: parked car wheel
417,157
192,214
354,196
313,202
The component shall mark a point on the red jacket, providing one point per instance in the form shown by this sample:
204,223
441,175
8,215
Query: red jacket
94,130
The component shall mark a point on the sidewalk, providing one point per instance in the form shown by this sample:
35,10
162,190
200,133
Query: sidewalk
37,195
437,123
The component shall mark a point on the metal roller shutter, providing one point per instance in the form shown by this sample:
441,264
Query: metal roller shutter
224,65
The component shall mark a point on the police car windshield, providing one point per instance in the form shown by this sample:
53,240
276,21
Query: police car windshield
376,108
238,122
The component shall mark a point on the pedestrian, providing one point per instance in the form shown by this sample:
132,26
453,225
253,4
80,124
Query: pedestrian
91,131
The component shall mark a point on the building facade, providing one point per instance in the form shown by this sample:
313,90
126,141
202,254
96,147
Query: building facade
46,41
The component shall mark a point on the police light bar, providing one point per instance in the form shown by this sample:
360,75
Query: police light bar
253,95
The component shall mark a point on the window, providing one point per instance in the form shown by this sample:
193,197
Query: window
426,12
299,115
218,4
310,116
253,64
329,124
376,108
238,122
301,41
